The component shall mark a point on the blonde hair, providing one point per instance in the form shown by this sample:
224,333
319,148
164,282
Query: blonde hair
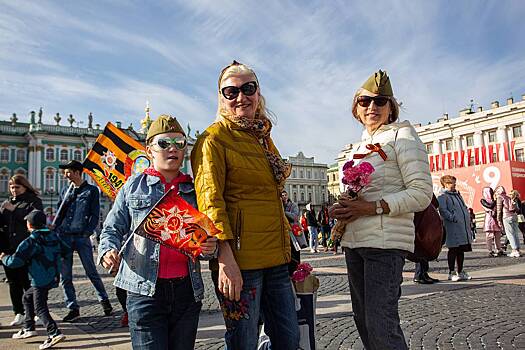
514,194
236,68
394,107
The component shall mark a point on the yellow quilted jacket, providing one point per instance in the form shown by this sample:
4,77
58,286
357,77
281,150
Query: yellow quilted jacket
236,189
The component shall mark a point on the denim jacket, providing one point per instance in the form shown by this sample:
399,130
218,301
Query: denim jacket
139,264
80,215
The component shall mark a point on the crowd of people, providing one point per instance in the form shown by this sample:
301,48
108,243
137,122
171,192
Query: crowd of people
238,183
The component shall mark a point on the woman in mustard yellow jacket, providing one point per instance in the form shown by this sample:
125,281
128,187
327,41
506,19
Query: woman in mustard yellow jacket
239,176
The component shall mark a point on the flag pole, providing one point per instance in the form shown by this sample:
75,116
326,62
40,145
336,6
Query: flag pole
62,204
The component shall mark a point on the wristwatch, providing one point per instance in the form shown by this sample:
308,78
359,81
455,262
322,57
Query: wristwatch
379,208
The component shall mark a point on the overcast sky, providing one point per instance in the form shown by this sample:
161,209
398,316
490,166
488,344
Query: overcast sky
110,57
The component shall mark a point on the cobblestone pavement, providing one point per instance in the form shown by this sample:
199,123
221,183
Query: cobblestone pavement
488,315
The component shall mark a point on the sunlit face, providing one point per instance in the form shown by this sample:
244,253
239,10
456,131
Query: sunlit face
16,190
242,105
284,197
73,175
451,186
169,159
373,116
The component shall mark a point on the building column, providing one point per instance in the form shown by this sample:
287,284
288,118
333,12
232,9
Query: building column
457,143
501,135
478,139
437,147
34,171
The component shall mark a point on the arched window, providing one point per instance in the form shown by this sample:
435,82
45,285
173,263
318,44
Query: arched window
50,154
4,180
49,180
21,171
21,155
77,155
64,155
62,181
4,155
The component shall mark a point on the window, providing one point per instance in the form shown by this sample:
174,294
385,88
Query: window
21,171
4,155
301,174
49,180
294,186
449,145
495,156
302,196
520,155
492,135
452,164
294,174
4,181
324,198
77,155
50,155
310,197
64,155
20,155
472,160
308,174
429,147
295,197
62,181
516,131
315,174
301,186
470,140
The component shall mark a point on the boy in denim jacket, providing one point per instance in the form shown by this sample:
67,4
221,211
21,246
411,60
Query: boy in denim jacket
41,252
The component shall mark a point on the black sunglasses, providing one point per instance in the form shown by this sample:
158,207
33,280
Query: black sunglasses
364,101
231,92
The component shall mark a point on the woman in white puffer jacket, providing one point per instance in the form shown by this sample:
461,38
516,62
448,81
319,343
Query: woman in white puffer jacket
380,228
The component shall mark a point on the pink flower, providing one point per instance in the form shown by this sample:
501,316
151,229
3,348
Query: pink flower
356,177
366,167
303,270
348,164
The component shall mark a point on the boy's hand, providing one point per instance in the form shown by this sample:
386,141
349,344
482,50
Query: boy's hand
111,261
209,246
2,255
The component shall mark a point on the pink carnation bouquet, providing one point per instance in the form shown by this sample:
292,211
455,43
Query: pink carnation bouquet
302,271
355,178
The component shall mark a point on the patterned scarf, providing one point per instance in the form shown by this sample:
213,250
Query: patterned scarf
261,128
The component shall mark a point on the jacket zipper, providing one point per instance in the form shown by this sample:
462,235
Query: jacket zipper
238,228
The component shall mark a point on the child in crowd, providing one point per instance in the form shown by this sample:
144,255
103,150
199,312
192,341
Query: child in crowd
41,252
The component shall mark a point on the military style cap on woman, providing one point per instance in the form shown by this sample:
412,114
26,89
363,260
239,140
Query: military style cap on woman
164,124
379,83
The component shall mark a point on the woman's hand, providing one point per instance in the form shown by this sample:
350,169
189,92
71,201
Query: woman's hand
350,210
209,246
111,261
230,278
9,206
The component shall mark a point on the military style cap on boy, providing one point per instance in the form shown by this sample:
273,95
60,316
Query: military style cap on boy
379,83
164,124
36,218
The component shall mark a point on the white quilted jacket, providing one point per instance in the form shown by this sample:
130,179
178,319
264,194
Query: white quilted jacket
402,180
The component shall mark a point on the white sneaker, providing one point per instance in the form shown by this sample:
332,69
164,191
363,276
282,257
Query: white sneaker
38,321
463,276
312,250
455,278
24,333
18,320
514,254
52,340
451,275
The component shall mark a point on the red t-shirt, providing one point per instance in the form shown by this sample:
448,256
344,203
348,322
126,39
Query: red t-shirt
172,263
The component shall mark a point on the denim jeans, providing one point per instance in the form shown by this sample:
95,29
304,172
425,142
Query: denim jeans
512,230
267,293
35,302
85,251
167,320
313,236
375,286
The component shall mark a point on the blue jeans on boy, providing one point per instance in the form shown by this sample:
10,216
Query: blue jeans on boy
35,303
267,292
167,320
83,246
375,277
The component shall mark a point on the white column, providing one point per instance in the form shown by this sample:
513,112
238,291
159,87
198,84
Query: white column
437,147
478,139
501,136
457,143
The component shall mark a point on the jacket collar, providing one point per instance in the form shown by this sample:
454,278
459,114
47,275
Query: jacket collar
184,187
383,128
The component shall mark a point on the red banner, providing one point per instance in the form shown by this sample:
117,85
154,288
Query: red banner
512,155
476,155
506,151
472,180
483,155
174,223
431,162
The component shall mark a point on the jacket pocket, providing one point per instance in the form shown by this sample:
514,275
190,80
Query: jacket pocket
139,206
236,223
